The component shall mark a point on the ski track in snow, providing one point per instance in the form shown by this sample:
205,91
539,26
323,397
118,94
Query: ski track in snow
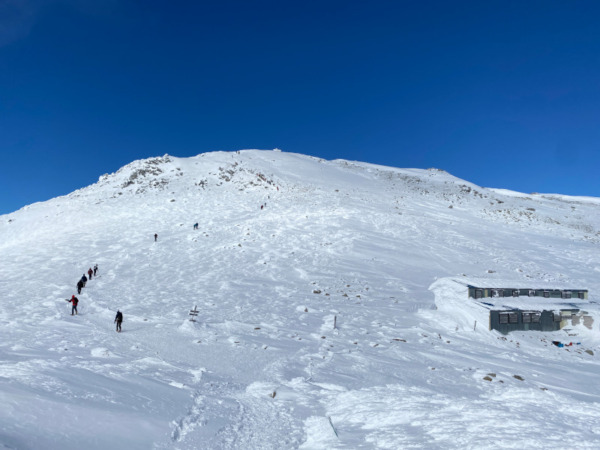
341,243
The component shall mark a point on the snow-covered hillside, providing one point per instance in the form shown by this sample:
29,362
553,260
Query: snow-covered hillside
317,327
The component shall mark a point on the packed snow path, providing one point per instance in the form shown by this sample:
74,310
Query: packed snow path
341,243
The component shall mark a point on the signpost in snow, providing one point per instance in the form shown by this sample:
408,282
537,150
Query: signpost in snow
194,313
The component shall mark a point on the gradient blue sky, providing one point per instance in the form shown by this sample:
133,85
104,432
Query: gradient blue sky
504,94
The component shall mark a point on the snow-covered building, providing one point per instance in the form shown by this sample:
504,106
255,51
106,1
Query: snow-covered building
479,292
545,309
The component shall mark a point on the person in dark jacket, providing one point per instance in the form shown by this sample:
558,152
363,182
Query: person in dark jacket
155,237
95,269
79,286
84,280
74,300
118,320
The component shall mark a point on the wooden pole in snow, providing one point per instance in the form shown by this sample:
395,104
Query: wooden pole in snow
333,428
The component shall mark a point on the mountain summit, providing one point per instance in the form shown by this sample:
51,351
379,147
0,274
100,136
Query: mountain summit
332,310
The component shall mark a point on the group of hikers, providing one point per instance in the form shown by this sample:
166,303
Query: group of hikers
80,285
83,281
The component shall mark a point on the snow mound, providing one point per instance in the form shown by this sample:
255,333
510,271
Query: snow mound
101,352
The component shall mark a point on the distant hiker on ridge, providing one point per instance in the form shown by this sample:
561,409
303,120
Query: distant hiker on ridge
155,237
90,272
84,280
73,300
95,269
196,226
118,320
79,286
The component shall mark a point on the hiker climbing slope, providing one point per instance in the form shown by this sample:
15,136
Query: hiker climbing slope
74,300
118,320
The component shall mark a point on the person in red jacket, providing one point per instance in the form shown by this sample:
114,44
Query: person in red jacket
90,272
74,300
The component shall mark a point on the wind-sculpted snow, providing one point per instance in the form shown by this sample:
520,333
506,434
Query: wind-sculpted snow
331,311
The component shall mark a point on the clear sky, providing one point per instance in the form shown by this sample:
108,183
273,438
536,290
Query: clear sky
504,93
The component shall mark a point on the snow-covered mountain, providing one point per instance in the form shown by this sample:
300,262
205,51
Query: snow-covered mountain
331,311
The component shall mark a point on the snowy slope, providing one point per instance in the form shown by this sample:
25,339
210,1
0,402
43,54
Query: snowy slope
372,250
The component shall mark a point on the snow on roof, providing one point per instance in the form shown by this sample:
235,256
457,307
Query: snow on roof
533,303
514,283
503,303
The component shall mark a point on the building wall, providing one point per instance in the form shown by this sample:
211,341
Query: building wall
476,292
519,320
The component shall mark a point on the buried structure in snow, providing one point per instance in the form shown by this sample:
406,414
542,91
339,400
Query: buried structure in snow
515,309
533,309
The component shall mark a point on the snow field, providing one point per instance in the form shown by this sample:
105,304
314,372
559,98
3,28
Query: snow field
263,367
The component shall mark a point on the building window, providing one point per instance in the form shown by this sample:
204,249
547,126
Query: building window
531,293
526,317
515,293
557,317
503,318
535,317
566,294
581,294
513,317
478,293
546,294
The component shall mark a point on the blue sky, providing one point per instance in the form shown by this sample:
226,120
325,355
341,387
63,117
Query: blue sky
504,94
